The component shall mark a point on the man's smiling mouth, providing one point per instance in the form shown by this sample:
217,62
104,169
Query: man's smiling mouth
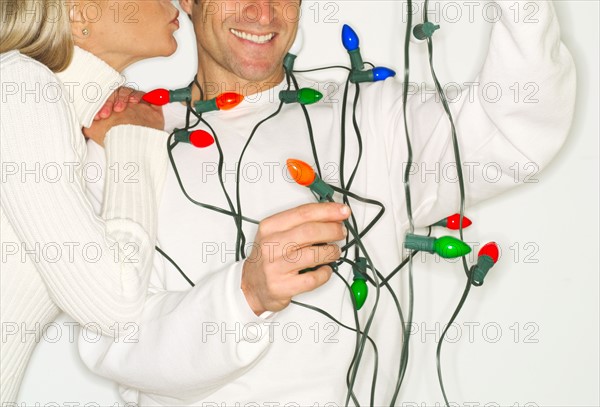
257,39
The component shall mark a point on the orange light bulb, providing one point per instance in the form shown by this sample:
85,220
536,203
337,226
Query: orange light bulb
302,173
228,100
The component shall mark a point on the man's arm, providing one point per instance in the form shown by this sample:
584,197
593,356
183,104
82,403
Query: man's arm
184,349
181,350
505,137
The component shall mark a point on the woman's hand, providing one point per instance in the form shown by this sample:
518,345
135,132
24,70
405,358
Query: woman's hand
141,114
119,100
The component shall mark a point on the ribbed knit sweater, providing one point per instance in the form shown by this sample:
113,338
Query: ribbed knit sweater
56,252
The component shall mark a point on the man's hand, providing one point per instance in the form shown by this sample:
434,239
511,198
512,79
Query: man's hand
119,101
141,114
286,243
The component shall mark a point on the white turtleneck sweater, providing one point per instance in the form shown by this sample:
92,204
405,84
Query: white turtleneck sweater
203,346
57,254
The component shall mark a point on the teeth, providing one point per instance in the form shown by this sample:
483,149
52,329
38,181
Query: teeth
257,39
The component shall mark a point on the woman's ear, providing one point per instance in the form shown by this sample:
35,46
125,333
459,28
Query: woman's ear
79,27
186,6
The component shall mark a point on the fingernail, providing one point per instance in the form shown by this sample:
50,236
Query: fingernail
345,231
345,210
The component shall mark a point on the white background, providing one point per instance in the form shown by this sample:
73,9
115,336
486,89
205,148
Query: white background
537,338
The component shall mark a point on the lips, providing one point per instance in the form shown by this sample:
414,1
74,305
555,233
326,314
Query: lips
254,38
176,19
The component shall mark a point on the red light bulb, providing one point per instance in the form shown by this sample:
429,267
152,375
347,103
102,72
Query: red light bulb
487,257
302,173
228,100
490,249
157,97
453,222
201,139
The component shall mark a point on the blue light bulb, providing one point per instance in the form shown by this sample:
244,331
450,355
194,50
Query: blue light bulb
349,38
381,73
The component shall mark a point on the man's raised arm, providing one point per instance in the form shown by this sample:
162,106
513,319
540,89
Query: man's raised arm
511,120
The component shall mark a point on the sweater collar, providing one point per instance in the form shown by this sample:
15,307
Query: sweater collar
175,113
255,102
89,81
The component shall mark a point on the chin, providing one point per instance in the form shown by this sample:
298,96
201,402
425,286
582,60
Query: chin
259,73
167,49
173,47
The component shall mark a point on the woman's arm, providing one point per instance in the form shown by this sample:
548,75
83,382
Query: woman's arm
96,269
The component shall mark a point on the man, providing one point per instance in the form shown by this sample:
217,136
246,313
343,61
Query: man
235,338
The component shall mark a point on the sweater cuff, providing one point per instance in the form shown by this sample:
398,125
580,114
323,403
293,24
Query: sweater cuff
88,71
241,304
137,160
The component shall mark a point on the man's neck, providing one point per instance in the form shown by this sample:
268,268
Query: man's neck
215,84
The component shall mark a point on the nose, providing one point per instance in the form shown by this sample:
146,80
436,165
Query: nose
170,7
259,12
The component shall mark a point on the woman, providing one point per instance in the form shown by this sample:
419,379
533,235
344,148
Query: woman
56,253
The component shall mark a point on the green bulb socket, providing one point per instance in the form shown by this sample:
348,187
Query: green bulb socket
204,106
420,243
359,269
360,290
447,247
319,187
288,62
305,96
182,136
441,222
356,60
180,95
425,30
480,270
362,76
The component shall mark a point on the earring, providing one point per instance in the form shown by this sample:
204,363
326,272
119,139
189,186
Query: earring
85,32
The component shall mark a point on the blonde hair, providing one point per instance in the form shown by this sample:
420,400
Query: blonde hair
39,29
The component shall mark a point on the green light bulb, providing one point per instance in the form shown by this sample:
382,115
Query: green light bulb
450,247
360,291
447,247
308,96
305,96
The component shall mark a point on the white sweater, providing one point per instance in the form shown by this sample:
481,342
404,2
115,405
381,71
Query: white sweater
203,345
56,252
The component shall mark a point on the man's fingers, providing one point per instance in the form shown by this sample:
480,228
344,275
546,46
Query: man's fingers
309,281
310,257
315,212
311,233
